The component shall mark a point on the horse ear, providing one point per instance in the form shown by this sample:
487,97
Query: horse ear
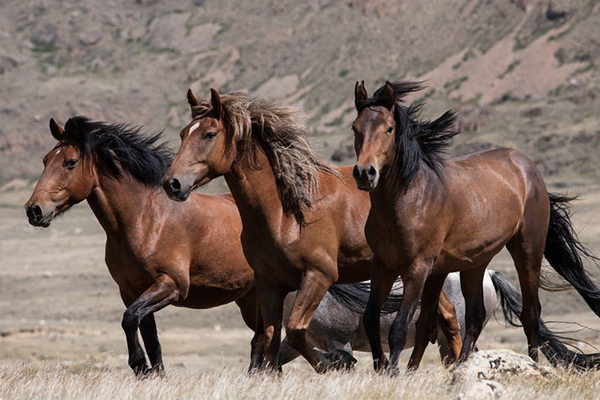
388,95
72,127
360,93
215,100
192,100
56,130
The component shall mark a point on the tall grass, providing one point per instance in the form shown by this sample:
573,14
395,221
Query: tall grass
48,379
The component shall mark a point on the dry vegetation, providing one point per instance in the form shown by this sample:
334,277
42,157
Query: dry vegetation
89,380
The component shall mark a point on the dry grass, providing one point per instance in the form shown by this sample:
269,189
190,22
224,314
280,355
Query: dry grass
48,379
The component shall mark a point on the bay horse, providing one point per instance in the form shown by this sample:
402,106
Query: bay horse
159,252
430,217
302,218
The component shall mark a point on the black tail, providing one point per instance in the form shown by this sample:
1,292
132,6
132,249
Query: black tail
564,252
356,295
552,345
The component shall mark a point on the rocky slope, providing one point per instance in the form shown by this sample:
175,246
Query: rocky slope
523,73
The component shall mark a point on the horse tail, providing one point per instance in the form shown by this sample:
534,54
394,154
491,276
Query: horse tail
552,345
356,295
564,252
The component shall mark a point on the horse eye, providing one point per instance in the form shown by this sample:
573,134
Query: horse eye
70,164
210,135
390,130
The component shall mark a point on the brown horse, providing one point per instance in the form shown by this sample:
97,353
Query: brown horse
157,251
430,217
302,218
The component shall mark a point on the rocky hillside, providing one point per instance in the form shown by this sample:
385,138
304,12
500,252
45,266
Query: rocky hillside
523,73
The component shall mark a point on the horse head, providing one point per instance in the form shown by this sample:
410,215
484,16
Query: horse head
206,151
67,178
374,134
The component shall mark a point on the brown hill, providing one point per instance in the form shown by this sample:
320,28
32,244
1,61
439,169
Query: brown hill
523,73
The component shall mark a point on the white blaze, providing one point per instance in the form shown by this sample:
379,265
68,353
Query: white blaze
193,128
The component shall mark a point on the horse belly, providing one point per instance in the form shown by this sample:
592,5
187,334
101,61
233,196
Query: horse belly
208,297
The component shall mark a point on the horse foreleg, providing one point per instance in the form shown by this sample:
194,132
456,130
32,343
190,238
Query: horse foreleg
271,309
426,324
312,289
449,325
471,283
414,281
162,293
152,344
382,281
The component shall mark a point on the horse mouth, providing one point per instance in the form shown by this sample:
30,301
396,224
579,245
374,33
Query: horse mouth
366,186
43,223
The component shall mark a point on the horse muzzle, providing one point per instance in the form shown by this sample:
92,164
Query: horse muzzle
176,189
366,177
37,217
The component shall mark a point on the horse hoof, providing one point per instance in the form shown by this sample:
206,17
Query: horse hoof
338,360
381,365
393,372
142,372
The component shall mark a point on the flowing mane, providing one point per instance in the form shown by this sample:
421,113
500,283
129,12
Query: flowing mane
417,142
121,145
280,131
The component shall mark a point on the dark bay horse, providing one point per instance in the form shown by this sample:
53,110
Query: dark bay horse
159,252
430,217
302,218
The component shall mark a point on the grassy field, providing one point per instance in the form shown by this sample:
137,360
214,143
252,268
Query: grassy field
45,379
60,334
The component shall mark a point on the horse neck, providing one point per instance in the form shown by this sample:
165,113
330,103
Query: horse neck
255,192
425,188
118,203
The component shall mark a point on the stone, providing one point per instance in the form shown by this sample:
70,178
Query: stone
496,364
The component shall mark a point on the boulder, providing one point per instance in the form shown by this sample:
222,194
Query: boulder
496,364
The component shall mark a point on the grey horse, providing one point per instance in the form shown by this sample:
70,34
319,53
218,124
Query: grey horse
337,325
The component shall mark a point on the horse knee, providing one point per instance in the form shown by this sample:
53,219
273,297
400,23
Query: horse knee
131,321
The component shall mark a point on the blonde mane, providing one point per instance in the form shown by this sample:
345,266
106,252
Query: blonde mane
280,131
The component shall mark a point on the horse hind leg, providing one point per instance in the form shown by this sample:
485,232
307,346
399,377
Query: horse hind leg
527,256
471,283
270,301
250,310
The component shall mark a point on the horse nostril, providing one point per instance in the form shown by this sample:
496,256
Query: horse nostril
175,185
355,172
372,171
34,213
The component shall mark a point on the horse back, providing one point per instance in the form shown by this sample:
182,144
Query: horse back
488,196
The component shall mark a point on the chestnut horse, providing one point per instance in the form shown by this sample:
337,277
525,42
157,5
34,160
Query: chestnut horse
157,251
430,217
302,218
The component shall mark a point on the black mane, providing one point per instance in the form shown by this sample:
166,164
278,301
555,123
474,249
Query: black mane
418,142
120,144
